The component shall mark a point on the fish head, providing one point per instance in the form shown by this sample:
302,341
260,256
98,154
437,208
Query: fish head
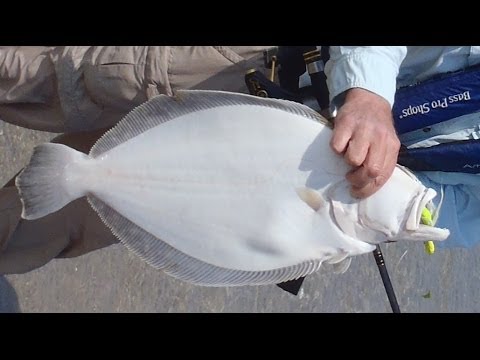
393,213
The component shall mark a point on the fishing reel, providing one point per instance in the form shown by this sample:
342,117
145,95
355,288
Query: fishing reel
300,74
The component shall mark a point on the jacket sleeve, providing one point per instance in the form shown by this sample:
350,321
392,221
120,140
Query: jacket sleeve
374,68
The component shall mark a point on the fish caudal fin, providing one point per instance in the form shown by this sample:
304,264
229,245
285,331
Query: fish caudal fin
45,185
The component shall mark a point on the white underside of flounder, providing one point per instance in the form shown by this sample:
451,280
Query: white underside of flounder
209,184
223,189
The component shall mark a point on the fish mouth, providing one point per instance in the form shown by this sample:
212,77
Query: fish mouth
414,219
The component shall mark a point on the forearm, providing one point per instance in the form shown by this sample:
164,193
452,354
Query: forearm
362,83
373,68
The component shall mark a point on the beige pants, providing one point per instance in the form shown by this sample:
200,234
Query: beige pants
81,91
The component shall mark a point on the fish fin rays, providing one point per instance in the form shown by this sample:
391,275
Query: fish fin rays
42,185
163,108
162,256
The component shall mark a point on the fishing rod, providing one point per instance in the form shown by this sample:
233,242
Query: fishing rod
379,259
295,61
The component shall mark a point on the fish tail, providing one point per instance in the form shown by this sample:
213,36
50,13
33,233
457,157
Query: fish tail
46,184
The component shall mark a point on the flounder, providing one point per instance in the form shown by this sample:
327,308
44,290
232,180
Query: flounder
226,189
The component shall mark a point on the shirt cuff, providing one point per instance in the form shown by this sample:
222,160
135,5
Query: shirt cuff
362,70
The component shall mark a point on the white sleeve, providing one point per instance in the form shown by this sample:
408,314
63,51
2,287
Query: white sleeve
374,68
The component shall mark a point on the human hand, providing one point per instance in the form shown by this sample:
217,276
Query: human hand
364,134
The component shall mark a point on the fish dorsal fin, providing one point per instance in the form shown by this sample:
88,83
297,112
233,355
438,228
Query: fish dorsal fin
164,108
311,197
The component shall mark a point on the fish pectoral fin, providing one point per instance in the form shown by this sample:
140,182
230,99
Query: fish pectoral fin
340,262
342,266
311,197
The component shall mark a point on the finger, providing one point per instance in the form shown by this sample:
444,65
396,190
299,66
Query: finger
373,186
359,177
364,191
370,187
375,159
357,150
390,162
342,133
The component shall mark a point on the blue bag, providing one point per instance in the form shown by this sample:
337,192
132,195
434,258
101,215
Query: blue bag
437,100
